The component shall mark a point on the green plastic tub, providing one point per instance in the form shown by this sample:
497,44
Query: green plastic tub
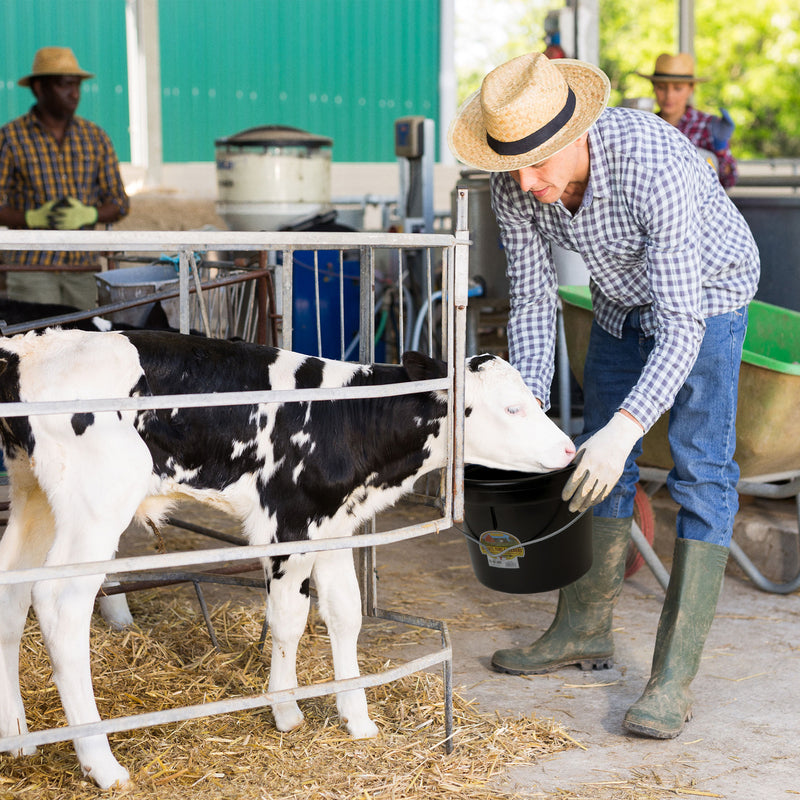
768,421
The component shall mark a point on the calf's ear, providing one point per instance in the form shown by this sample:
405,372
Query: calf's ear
477,363
423,368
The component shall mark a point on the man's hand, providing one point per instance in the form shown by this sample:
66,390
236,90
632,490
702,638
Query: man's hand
71,214
600,462
40,217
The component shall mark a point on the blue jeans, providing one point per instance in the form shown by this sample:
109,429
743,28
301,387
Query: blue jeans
702,422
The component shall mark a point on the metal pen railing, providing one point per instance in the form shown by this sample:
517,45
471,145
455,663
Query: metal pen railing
280,247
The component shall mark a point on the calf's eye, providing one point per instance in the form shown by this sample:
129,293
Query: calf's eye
515,410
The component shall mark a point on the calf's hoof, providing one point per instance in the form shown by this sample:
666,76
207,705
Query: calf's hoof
28,750
108,776
288,716
363,729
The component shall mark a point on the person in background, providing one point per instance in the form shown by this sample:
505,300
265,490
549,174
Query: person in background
673,85
673,267
57,171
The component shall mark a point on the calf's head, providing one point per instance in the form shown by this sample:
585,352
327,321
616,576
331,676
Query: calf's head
505,427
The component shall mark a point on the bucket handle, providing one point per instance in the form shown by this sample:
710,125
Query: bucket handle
532,541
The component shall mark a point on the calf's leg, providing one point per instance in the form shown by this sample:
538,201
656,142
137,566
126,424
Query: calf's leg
340,608
93,497
24,545
287,612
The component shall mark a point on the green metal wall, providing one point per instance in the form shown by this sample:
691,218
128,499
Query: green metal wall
339,68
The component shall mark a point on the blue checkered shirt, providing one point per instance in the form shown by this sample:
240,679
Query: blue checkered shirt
657,232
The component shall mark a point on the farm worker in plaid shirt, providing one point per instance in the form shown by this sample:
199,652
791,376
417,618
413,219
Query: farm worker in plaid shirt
673,85
58,171
672,268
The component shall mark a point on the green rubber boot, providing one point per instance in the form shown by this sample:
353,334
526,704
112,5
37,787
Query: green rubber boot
694,585
581,631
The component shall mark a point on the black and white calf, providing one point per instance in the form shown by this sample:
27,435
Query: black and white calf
288,471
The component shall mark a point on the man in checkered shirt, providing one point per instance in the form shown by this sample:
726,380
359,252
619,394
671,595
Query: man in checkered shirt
672,268
57,171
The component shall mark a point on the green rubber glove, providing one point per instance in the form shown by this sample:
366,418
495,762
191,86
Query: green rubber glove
71,214
40,217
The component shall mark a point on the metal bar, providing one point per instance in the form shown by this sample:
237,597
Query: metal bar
447,664
214,534
316,302
158,241
206,616
122,305
758,577
219,399
224,576
401,344
262,301
217,555
341,306
183,287
366,343
200,298
564,393
788,487
460,288
649,555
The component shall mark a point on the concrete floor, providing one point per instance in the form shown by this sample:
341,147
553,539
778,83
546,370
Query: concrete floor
743,741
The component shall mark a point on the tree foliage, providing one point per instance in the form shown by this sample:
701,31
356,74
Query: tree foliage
749,51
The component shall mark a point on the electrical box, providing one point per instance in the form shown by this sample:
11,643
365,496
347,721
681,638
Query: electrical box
409,137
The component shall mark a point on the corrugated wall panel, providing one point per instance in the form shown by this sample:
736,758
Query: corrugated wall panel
339,68
95,30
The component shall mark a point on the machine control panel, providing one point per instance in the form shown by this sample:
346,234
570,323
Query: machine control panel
409,137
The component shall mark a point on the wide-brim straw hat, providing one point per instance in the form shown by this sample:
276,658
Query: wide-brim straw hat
54,61
527,110
673,69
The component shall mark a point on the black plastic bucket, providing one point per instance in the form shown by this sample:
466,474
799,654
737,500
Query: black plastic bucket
521,535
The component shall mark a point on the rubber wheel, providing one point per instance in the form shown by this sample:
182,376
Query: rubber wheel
644,518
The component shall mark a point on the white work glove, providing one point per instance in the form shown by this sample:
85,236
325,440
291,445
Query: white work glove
600,462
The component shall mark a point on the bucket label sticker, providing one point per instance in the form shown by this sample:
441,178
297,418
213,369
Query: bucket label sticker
501,549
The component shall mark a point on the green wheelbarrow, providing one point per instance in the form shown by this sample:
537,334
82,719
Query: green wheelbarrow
768,419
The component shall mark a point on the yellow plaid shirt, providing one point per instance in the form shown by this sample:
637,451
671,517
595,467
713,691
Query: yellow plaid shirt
34,168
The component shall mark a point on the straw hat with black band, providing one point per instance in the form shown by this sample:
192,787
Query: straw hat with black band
527,110
673,69
50,61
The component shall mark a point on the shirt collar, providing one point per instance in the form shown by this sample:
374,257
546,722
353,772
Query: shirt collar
599,174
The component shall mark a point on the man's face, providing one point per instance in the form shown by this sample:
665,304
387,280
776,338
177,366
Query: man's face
548,179
673,97
58,95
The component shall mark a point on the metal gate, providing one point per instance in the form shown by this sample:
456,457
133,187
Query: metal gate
395,257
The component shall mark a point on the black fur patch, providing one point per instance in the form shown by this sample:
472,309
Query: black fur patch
309,374
305,588
15,432
347,446
476,362
80,422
